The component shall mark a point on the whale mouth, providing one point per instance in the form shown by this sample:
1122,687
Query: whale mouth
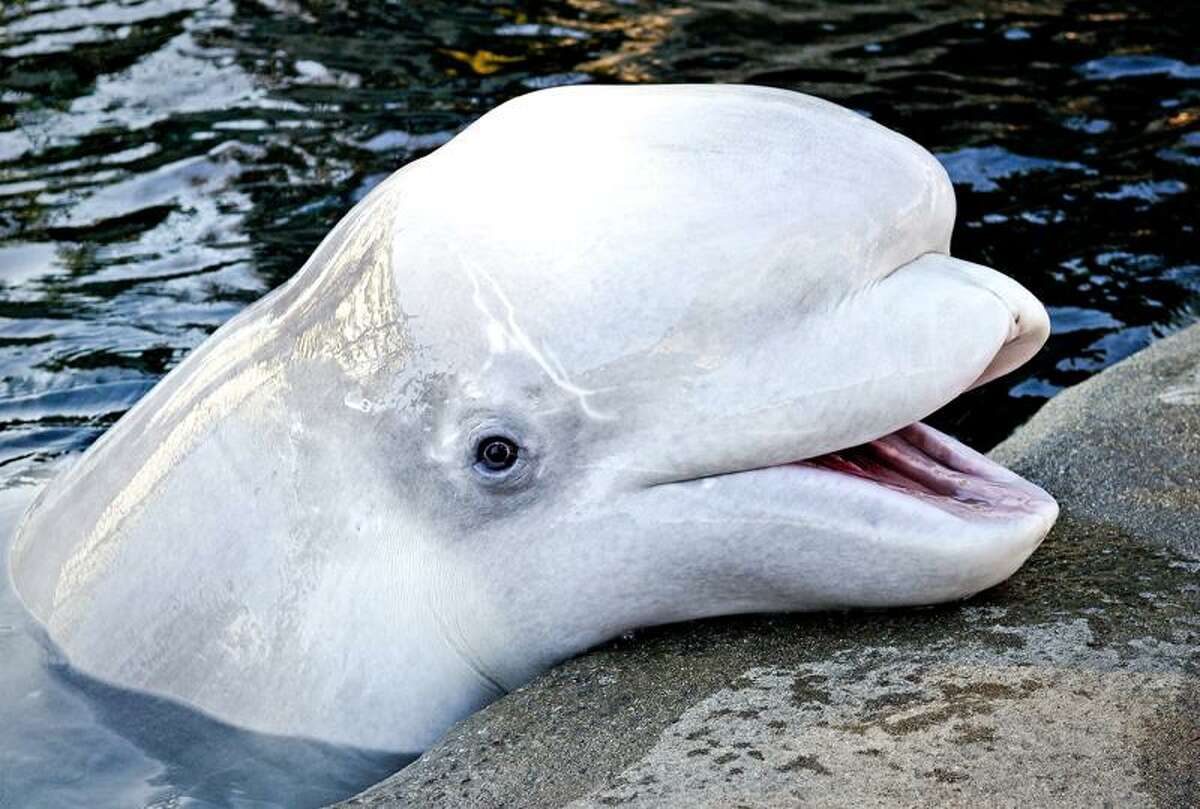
923,463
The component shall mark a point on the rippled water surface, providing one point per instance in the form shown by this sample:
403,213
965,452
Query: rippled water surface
165,162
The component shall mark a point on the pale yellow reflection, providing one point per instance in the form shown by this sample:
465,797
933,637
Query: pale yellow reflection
643,33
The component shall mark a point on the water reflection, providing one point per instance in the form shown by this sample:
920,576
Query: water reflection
164,162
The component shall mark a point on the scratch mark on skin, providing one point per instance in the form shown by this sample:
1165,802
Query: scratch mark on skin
507,329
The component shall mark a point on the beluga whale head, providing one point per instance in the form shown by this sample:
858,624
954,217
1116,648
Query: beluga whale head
612,357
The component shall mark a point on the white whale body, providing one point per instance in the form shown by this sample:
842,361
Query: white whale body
612,357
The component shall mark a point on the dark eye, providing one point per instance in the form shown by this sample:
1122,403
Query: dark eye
496,454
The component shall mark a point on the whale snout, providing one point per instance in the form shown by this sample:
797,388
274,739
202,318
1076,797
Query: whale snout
1030,323
845,497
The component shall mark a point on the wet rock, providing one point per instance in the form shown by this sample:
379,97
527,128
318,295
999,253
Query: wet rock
1124,447
1076,683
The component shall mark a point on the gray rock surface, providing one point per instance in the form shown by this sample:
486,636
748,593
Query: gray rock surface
1124,447
1076,683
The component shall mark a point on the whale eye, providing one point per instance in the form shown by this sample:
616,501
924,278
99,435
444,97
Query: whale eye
496,453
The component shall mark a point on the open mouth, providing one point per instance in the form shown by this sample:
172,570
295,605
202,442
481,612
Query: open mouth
923,463
930,466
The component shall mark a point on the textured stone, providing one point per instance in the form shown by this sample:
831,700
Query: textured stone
952,735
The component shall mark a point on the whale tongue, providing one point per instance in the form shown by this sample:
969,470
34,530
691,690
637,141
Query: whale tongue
924,463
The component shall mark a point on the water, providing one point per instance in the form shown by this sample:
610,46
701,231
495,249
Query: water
165,162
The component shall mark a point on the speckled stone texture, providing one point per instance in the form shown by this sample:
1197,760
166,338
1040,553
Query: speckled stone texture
1075,684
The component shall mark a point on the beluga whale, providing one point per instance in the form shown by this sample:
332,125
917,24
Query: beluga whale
612,357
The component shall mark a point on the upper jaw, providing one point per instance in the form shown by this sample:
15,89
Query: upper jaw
830,373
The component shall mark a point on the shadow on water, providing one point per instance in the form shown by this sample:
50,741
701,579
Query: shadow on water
165,162
139,750
210,763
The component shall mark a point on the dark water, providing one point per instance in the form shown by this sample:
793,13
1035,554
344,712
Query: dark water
165,162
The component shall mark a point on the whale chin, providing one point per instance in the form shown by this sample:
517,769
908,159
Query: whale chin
934,470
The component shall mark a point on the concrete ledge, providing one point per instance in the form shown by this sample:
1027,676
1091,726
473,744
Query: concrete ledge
1077,683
